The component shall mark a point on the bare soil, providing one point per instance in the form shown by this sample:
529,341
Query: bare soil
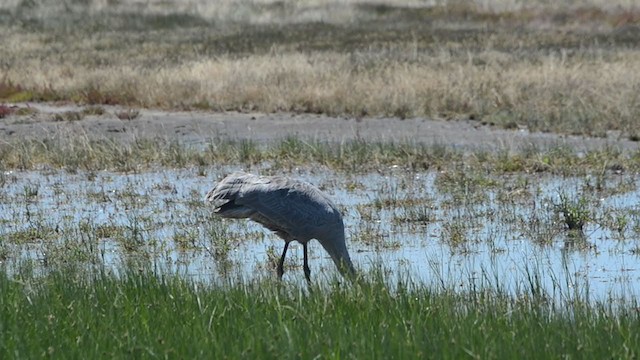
194,127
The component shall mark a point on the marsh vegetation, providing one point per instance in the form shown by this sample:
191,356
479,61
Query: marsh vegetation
438,250
107,249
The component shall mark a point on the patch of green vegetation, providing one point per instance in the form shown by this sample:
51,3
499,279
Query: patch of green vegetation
455,233
9,90
391,199
98,196
26,111
106,231
16,93
459,171
31,234
619,221
5,251
139,314
68,116
94,110
370,232
30,192
22,96
186,239
574,210
128,114
219,242
423,214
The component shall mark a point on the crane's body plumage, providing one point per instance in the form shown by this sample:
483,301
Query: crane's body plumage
293,209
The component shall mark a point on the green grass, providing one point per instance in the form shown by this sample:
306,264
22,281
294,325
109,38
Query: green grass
82,154
141,315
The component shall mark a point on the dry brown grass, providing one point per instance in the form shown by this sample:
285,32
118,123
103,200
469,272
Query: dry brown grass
557,68
291,11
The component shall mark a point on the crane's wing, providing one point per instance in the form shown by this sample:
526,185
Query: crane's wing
291,208
289,205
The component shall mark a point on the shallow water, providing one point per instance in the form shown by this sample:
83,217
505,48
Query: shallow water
440,229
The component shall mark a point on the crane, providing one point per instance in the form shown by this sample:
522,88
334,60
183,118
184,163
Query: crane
291,208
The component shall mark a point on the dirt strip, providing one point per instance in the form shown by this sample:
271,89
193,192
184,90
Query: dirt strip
197,127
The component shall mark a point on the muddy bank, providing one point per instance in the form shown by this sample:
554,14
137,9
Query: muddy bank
198,127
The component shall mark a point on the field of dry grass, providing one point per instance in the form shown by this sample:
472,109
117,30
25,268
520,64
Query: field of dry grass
564,67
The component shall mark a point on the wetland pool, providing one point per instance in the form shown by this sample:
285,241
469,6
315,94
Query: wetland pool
451,230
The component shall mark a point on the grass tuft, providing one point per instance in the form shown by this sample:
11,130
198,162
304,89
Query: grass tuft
575,212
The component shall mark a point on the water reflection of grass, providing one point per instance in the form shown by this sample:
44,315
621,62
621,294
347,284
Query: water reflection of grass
142,314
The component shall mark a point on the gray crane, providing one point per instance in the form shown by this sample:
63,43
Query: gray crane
293,209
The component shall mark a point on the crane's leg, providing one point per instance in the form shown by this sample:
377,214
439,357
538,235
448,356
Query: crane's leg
281,261
307,271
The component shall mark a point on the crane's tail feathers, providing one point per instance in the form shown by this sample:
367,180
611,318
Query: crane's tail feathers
210,195
223,197
222,191
229,188
230,209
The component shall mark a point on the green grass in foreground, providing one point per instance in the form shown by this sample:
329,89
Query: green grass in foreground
145,316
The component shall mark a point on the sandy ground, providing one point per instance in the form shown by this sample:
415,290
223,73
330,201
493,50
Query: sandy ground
199,127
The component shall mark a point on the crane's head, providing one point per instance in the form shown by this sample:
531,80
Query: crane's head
334,243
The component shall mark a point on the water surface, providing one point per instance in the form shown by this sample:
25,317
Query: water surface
443,230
